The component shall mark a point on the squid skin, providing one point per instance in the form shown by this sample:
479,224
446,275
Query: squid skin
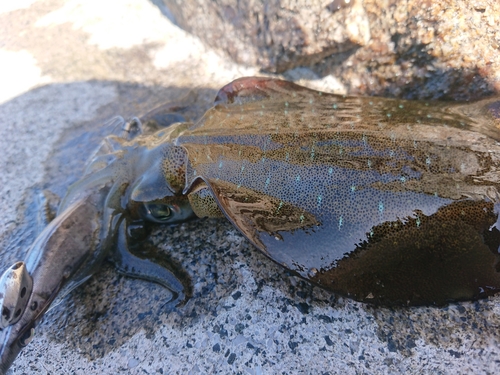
385,201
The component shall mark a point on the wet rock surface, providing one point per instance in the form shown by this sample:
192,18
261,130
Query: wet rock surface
72,65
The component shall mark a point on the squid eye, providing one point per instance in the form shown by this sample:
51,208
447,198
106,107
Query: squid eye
159,213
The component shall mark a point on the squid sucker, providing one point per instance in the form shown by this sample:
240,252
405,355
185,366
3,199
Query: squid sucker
385,201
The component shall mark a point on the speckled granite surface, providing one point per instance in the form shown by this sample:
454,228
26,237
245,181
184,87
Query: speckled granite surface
405,48
69,65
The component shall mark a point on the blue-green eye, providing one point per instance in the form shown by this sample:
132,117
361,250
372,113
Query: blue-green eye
159,213
163,213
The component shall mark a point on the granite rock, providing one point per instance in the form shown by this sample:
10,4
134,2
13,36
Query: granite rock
277,35
404,48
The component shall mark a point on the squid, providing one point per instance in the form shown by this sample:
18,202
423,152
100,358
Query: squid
385,201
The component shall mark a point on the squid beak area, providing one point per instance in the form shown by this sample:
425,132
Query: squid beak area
27,289
14,338
16,287
18,335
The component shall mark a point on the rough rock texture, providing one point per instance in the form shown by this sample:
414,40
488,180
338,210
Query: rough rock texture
68,65
277,35
405,48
